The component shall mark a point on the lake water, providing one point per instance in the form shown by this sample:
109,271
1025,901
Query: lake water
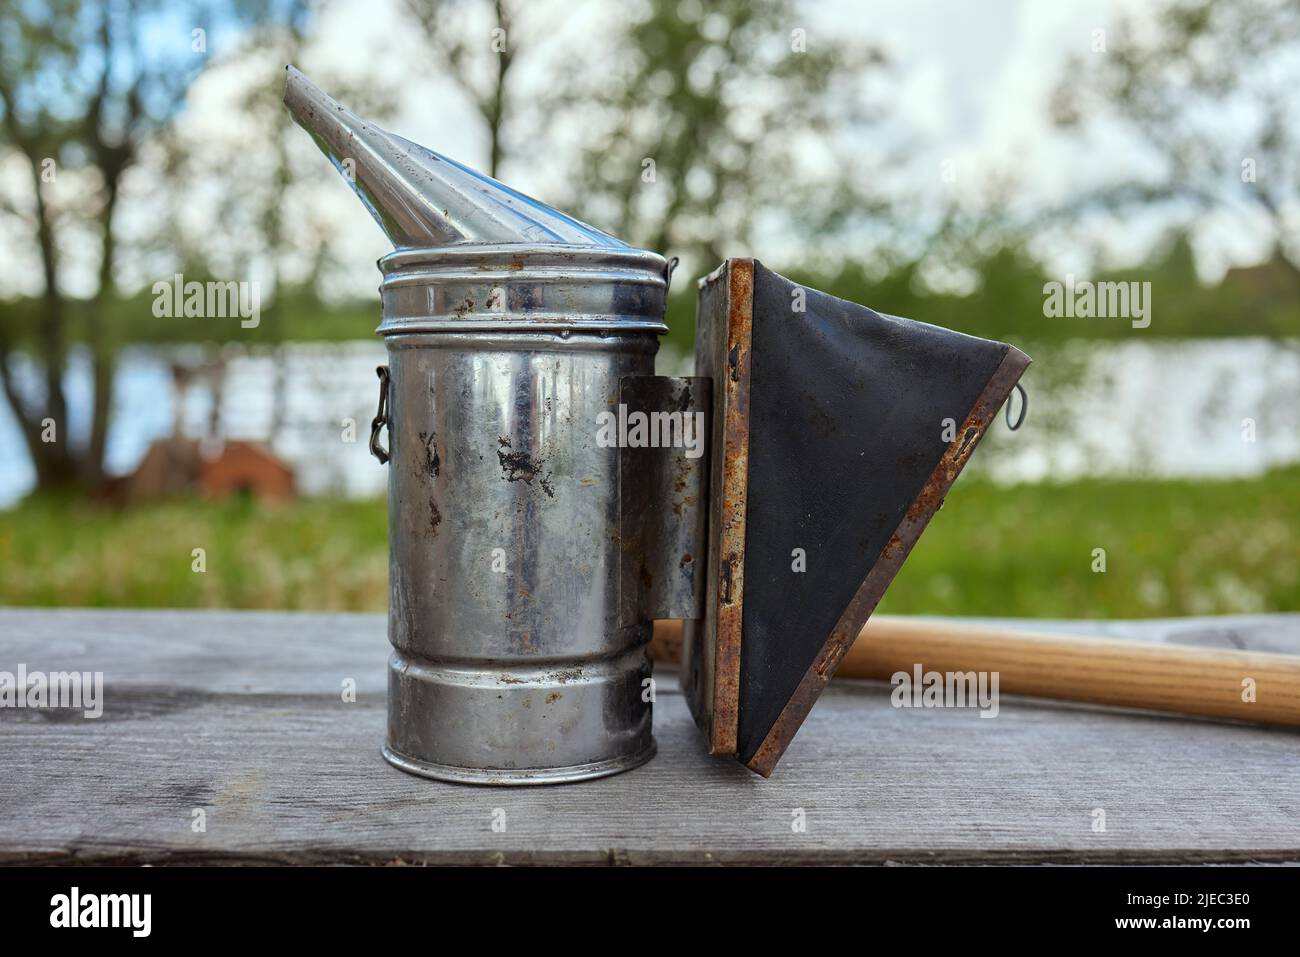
1167,408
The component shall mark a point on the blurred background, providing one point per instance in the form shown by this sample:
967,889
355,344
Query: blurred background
944,161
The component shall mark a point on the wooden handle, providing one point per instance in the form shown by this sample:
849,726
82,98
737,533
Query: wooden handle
1209,682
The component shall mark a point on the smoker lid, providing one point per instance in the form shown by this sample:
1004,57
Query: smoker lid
525,286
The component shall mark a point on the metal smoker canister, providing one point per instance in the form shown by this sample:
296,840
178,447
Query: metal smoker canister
519,655
529,554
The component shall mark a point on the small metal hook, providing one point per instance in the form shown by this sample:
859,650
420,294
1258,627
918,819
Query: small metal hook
1024,408
668,272
381,417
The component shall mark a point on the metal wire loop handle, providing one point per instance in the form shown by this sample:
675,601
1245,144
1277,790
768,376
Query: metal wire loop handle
1024,408
669,269
381,417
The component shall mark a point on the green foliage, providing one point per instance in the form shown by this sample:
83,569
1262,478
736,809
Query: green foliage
320,554
1007,302
695,129
1172,548
80,98
1208,87
294,315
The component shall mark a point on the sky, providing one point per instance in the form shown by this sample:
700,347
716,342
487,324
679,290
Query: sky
972,82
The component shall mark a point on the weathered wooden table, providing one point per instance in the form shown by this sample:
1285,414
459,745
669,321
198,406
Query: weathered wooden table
241,716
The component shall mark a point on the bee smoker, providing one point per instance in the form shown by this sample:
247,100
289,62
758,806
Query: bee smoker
518,607
532,545
517,657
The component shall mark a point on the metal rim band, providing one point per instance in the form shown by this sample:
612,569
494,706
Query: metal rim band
608,326
480,272
521,776
514,257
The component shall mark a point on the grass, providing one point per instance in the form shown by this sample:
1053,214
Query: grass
1171,548
312,554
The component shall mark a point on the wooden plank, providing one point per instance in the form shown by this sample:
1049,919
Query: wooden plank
241,715
711,644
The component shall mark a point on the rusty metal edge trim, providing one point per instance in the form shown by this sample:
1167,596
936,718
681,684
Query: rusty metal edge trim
733,497
891,558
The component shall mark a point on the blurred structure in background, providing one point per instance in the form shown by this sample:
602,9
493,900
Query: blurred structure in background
179,466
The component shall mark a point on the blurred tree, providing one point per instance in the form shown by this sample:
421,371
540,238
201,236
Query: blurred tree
1212,88
477,55
258,214
253,190
710,118
82,86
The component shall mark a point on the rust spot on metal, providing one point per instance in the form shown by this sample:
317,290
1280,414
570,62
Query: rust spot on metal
520,466
553,697
831,655
968,441
431,460
435,517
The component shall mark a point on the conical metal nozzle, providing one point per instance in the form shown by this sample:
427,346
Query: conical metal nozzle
419,197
